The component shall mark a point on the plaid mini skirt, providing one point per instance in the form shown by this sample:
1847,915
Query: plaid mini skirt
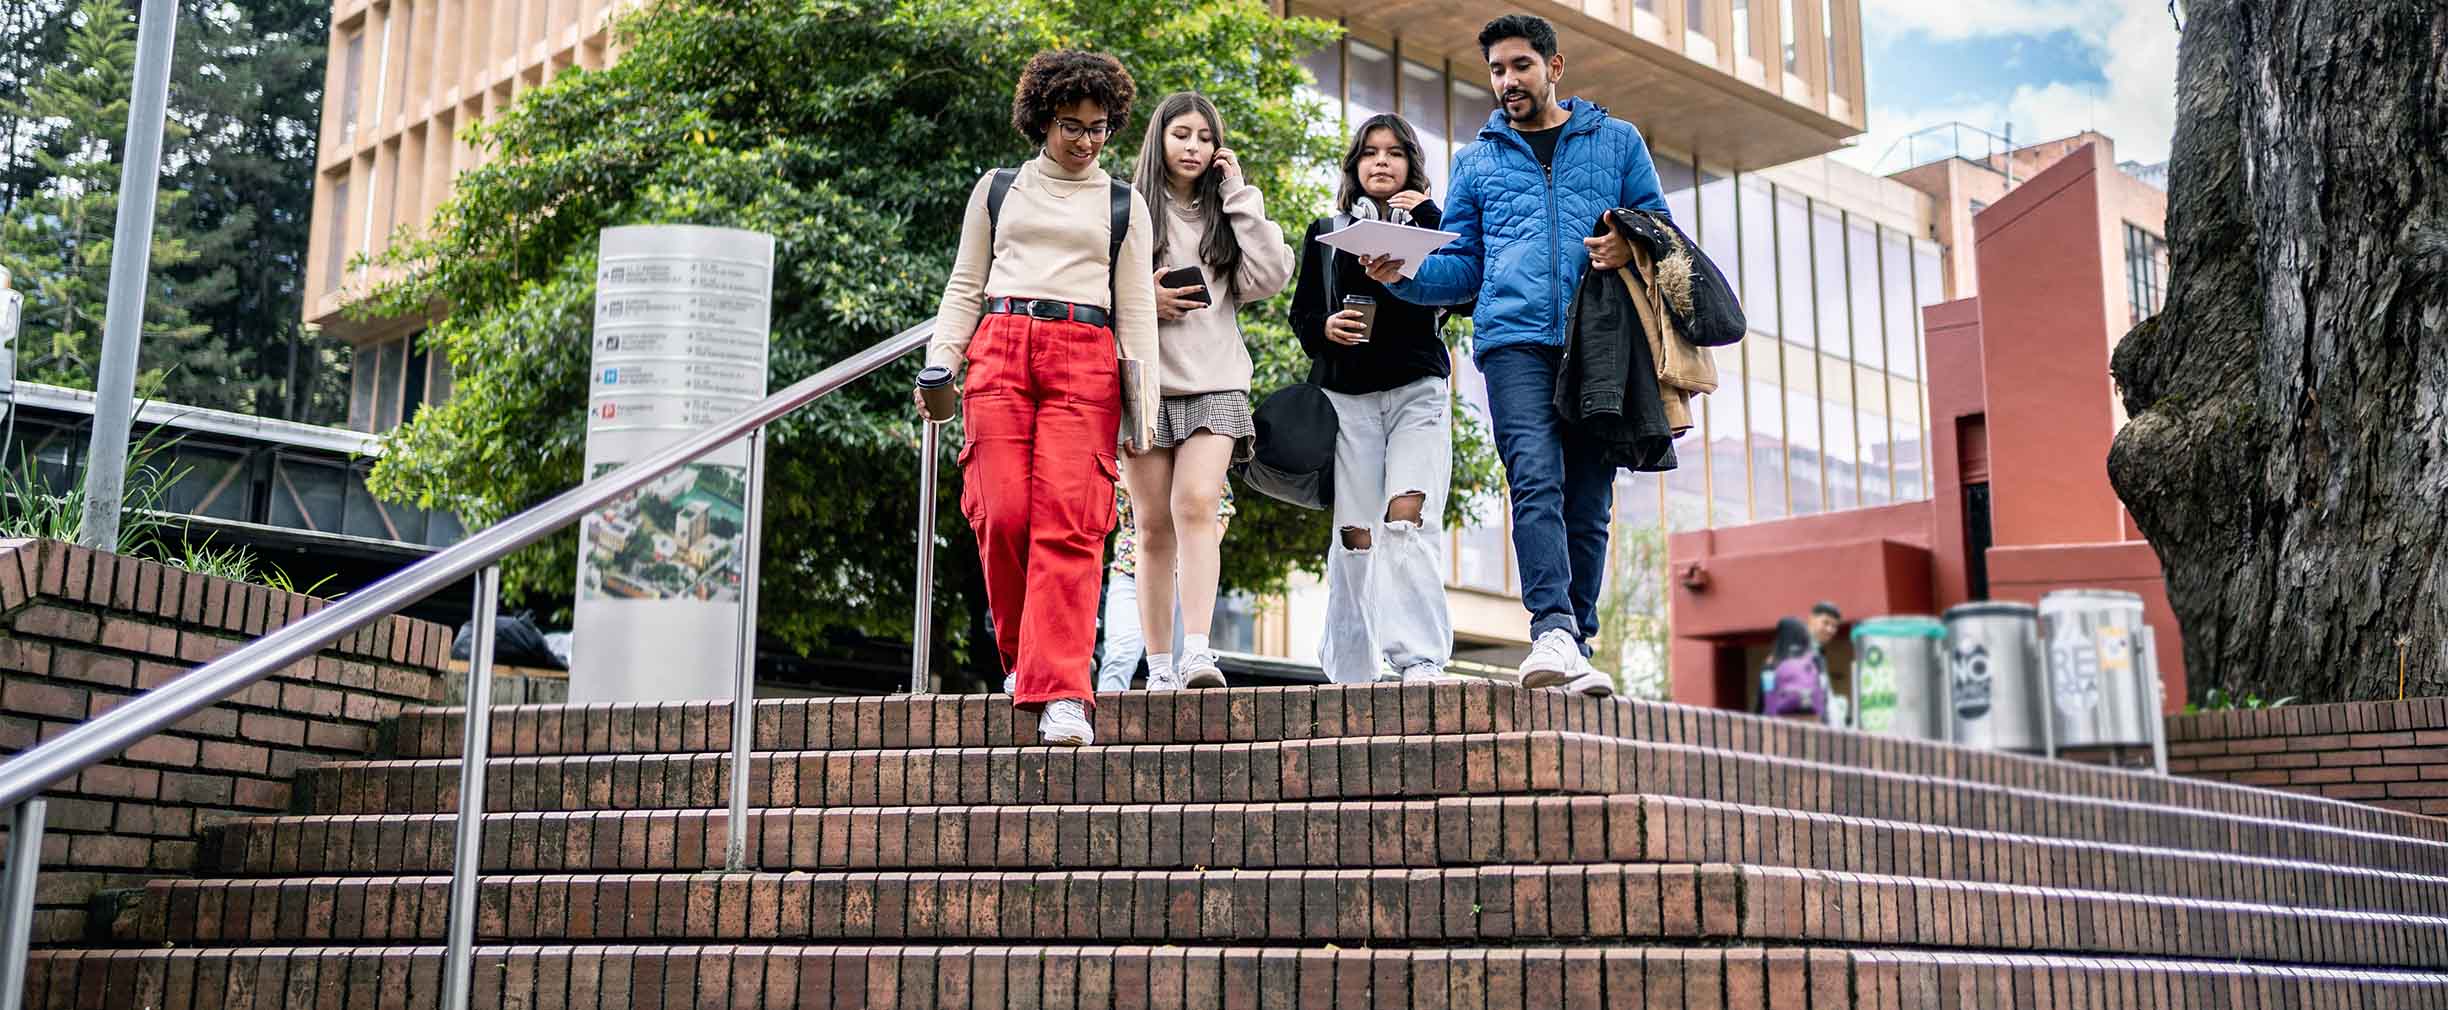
1225,412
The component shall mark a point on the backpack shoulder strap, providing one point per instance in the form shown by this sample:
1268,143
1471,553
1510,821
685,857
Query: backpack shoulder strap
1119,200
995,193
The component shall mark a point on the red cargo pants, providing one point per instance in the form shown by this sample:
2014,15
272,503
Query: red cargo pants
1037,485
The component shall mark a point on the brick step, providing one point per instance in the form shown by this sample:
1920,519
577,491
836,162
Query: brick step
1494,904
748,977
1352,768
1322,835
1246,715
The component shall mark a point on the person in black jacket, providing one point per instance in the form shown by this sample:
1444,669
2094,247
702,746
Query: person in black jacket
1387,377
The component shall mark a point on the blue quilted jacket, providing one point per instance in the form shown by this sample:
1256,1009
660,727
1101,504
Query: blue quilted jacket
1521,225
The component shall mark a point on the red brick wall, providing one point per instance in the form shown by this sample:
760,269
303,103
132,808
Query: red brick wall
82,631
2386,753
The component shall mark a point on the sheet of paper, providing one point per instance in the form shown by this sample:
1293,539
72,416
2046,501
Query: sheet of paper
1378,238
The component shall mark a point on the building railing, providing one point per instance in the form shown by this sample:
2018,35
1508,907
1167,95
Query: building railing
25,776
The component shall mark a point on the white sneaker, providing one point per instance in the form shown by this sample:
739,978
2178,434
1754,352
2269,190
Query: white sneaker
1554,658
1428,673
1165,680
1595,683
1065,724
1198,669
1011,683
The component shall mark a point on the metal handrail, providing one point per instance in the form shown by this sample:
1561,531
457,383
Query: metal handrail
25,776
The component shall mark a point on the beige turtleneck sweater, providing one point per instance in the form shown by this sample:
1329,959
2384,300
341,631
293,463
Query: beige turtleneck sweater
1051,244
1203,351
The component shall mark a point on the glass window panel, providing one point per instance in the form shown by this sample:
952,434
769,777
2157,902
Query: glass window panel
1877,454
1841,441
1862,293
1682,191
1472,105
1742,28
1756,213
1687,484
1766,403
1804,458
439,390
352,84
1729,492
1928,290
1793,55
1896,296
1911,441
1327,66
1716,226
1372,80
387,388
1794,266
1424,106
1636,499
336,255
363,373
1828,264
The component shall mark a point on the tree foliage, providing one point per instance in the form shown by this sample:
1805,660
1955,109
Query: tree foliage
222,321
852,131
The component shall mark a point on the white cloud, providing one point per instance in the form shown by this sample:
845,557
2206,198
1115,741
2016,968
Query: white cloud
2134,102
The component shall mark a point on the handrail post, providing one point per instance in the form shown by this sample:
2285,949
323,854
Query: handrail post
468,842
922,625
743,693
17,900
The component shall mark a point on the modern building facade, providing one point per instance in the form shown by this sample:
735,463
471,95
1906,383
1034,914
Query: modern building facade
2022,409
1822,409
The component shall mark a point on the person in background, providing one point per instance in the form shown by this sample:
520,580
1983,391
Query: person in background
1522,197
1033,311
1125,646
1386,374
1825,622
1793,683
1209,219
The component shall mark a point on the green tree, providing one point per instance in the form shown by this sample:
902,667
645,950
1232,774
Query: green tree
58,238
852,131
247,86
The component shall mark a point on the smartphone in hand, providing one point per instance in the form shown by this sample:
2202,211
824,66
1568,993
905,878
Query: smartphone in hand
1188,277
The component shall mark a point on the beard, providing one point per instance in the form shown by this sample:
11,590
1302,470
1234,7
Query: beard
1537,104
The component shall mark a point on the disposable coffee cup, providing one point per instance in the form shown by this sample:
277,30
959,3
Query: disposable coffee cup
1367,307
935,387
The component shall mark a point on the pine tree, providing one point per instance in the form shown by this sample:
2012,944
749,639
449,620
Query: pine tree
58,238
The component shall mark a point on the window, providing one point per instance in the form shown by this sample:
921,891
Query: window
1827,240
1729,484
336,257
1877,449
1862,292
1794,266
1715,229
352,85
1472,105
389,383
1742,29
1927,290
1756,220
1423,104
1762,366
1372,81
1327,66
1676,181
1793,54
1805,459
1896,299
364,372
2145,273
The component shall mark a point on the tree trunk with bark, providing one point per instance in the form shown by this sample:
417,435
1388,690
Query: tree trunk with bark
2288,453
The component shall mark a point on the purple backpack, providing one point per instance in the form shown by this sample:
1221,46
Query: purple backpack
1795,689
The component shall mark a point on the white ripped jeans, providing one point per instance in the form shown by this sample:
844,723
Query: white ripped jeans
1388,601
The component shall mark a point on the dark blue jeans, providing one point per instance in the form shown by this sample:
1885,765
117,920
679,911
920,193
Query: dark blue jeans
1563,493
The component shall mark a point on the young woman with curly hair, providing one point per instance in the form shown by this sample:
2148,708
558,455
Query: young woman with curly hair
1208,218
1034,310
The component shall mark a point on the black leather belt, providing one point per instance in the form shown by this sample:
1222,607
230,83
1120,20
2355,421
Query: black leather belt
1047,308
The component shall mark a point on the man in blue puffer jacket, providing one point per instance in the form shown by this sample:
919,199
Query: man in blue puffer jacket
1523,198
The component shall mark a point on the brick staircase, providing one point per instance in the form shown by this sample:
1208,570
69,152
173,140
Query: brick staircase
1464,845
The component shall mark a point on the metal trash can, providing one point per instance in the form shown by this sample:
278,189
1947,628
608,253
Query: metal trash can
1994,672
2102,691
1899,677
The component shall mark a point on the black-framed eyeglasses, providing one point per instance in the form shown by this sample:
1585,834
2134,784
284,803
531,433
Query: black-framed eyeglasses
1072,129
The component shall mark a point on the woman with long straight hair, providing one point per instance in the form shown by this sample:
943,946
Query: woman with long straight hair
1213,237
1387,375
1038,300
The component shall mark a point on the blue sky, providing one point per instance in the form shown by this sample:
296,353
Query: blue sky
2047,67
